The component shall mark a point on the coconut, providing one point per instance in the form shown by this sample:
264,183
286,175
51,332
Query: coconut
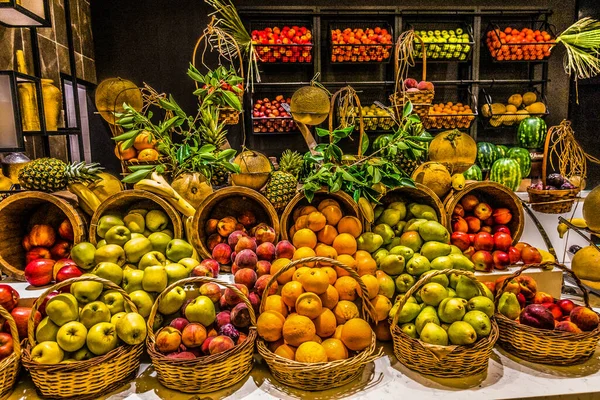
310,105
435,176
255,169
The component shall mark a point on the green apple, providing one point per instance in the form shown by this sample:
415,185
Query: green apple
189,263
86,291
109,271
135,222
46,330
155,279
47,353
118,235
143,301
62,308
102,338
201,310
106,222
115,302
147,233
83,354
83,255
101,243
176,272
110,253
172,301
116,317
168,232
131,328
136,248
151,259
135,235
141,211
132,279
159,241
178,249
93,313
157,220
71,336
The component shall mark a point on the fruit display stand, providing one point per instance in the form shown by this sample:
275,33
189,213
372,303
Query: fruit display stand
11,365
203,374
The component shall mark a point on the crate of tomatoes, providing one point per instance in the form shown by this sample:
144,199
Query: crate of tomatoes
282,43
359,43
512,43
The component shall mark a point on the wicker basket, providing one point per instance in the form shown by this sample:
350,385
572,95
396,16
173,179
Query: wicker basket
442,361
324,375
544,346
87,379
203,374
11,365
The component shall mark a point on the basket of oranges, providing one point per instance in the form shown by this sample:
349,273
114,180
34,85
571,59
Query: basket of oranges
512,44
449,116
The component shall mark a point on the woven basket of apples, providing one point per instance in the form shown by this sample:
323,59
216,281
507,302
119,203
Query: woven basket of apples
10,351
208,334
86,345
538,328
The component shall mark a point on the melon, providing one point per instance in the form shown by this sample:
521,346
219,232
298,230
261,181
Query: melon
310,105
474,173
591,209
255,169
454,149
507,172
435,176
193,187
486,155
529,98
112,93
515,100
523,158
531,133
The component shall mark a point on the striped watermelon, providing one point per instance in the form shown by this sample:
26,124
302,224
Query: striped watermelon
507,172
502,149
523,158
532,133
473,173
486,155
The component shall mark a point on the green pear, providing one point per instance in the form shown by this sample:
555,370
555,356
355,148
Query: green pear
115,302
172,301
135,222
479,321
395,242
159,241
454,278
403,251
434,334
101,243
443,262
110,271
118,235
93,313
404,282
428,314
387,287
46,331
141,211
86,291
452,309
106,222
488,293
155,279
483,304
412,225
390,216
136,248
466,288
423,211
151,259
455,250
176,272
462,333
377,211
157,220
413,300
178,249
399,206
392,264
62,308
508,305
132,279
460,261
379,255
433,293
143,302
432,250
189,263
110,253
83,255
441,279
409,329
451,292
385,231
412,240
408,313
369,241
399,228
432,231
417,265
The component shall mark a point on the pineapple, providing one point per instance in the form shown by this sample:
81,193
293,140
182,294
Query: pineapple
405,163
214,133
283,183
51,174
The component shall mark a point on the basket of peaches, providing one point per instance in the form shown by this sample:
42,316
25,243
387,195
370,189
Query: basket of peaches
541,329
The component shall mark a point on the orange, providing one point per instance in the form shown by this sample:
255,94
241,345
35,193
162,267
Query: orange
326,203
270,325
290,293
351,225
278,265
317,339
274,345
331,274
309,305
332,214
325,323
144,140
304,252
345,310
330,298
316,280
382,331
338,332
365,265
276,303
298,329
348,261
304,210
347,287
298,272
286,351
311,352
357,334
382,306
345,243
304,238
335,349
372,285
322,250
148,155
316,221
292,231
124,154
301,222
327,234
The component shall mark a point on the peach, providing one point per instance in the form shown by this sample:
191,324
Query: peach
222,304
235,236
234,268
42,235
469,202
231,298
206,344
246,259
168,339
211,290
567,326
179,323
459,224
502,216
566,306
212,332
247,218
193,335
210,226
220,344
474,224
261,285
240,316
584,318
226,226
531,255
222,318
528,286
233,255
202,270
284,249
213,265
266,251
425,85
242,337
264,233
254,299
222,253
240,227
263,268
245,243
184,355
246,277
483,211
213,240
458,211
487,229
542,297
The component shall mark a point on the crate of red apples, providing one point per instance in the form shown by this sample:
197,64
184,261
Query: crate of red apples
361,45
290,44
269,116
512,44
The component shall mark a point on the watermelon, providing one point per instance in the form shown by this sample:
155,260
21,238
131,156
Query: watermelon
531,133
523,158
507,172
502,149
486,155
473,173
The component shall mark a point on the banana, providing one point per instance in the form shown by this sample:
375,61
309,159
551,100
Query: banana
562,228
155,187
181,204
366,209
579,222
88,201
458,182
187,223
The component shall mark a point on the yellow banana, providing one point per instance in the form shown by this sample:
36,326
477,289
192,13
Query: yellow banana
366,209
579,222
157,188
88,201
458,182
562,228
181,204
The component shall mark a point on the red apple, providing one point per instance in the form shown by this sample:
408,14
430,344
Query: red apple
9,297
514,254
501,228
6,345
70,271
483,211
474,224
565,305
21,316
64,262
460,240
42,307
531,255
555,310
37,253
502,216
202,270
469,202
65,230
501,260
521,299
39,272
61,249
502,241
213,265
179,323
483,261
459,224
42,236
471,238
484,241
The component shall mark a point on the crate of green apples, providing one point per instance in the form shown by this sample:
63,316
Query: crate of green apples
443,45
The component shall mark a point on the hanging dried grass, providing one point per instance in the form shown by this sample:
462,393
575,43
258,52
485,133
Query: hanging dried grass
572,159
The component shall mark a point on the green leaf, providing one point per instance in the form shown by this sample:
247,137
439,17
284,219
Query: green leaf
414,118
336,152
207,148
407,109
127,144
321,132
356,195
136,176
226,154
232,100
343,133
376,175
420,138
402,146
346,175
407,182
183,152
364,146
126,135
166,104
168,124
134,168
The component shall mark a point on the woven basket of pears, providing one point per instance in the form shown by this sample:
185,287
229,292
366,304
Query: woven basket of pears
278,338
90,378
443,361
549,346
204,373
10,365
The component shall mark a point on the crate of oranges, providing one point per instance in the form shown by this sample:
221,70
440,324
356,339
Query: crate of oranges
512,44
449,116
361,45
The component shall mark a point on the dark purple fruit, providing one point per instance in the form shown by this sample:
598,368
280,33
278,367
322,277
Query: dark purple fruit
229,330
240,316
567,185
555,179
537,316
